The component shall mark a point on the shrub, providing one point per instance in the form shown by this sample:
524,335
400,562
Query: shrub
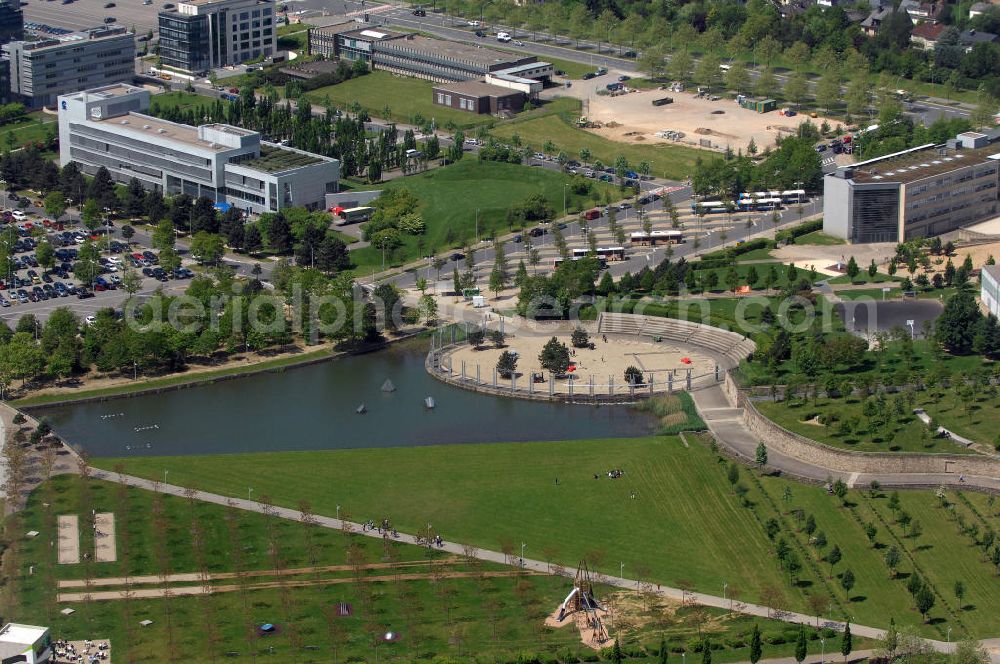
736,642
773,638
695,645
568,657
19,418
677,648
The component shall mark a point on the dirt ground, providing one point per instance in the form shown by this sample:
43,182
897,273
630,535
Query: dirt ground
638,120
105,548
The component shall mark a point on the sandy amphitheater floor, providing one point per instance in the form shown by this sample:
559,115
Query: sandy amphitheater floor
105,549
69,539
607,361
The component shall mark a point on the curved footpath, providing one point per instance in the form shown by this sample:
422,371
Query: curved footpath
455,548
726,422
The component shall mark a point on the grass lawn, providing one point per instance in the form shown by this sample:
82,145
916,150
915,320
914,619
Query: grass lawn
294,36
861,293
863,278
436,615
976,419
756,255
406,97
574,70
907,431
181,100
32,128
892,367
452,197
668,161
685,523
818,237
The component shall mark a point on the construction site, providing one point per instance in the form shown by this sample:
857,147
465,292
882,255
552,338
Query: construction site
692,117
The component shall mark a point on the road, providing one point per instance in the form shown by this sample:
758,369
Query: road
454,548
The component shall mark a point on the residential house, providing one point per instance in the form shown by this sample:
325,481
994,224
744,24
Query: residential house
925,35
874,21
971,37
978,8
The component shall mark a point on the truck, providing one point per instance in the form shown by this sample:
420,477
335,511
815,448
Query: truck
614,87
590,215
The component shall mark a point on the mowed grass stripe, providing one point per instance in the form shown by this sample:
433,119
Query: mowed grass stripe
682,524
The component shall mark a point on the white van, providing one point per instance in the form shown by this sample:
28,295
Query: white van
19,215
503,37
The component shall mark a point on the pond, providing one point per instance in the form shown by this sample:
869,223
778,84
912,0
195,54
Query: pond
314,407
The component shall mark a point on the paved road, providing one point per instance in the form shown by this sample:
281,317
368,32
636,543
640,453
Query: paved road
497,557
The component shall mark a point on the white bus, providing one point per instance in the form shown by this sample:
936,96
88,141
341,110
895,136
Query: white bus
656,237
793,196
709,207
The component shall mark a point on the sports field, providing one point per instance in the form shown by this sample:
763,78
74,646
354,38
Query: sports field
454,197
685,523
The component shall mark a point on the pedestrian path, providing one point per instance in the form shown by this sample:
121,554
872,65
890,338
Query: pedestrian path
536,566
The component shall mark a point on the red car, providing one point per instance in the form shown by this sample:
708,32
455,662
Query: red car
234,91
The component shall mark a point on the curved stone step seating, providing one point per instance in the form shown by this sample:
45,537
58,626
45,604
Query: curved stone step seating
730,345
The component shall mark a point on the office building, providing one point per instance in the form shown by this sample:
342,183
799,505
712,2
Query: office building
989,288
42,70
204,34
108,127
25,643
478,97
921,192
11,21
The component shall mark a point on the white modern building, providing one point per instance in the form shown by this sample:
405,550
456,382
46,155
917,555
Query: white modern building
107,127
204,34
25,643
42,70
989,288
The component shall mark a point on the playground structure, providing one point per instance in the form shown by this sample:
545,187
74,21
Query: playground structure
581,605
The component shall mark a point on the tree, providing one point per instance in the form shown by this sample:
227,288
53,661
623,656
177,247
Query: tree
554,356
755,645
580,338
91,214
801,646
680,66
663,652
956,327
828,89
507,364
55,204
207,247
633,375
706,652
496,281
846,642
970,651
892,560
852,268
833,557
164,236
959,593
45,254
847,582
616,652
128,232
476,336
796,86
925,601
737,78
760,455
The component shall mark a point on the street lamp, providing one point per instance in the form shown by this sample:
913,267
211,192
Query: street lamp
725,587
565,186
621,570
822,645
338,512
522,553
949,635
249,491
165,471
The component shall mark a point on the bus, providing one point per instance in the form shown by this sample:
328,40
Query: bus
355,215
709,207
607,253
601,260
758,204
656,237
793,196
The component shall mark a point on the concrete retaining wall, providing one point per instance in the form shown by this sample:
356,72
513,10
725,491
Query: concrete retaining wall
793,445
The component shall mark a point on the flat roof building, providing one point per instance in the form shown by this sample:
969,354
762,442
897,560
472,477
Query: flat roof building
25,643
204,34
478,97
427,58
107,127
921,192
42,70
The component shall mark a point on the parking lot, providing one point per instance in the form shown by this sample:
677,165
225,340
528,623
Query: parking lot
27,287
82,14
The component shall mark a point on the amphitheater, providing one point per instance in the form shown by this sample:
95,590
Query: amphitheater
672,355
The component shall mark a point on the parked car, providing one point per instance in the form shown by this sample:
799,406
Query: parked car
419,12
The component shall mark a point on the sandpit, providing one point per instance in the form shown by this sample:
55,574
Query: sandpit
69,539
105,550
